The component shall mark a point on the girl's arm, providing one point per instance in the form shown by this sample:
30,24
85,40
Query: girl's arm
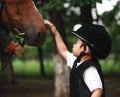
97,93
59,42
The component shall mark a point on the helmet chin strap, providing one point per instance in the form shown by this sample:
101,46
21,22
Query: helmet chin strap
78,59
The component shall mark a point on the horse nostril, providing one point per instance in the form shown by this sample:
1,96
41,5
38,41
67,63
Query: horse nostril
40,34
40,38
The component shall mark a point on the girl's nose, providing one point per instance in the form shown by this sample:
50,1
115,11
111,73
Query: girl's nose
73,45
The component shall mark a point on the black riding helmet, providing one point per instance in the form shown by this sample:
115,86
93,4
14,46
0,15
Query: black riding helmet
97,38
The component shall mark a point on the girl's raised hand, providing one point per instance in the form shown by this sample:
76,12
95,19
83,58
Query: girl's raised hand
52,26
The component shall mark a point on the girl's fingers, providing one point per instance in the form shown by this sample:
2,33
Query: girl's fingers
47,22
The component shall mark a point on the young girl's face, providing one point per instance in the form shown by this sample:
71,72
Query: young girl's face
77,48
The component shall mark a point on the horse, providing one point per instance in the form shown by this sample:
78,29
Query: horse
21,18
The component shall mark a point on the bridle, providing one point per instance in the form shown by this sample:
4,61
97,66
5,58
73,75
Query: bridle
13,28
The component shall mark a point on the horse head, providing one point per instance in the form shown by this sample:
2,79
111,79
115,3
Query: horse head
22,18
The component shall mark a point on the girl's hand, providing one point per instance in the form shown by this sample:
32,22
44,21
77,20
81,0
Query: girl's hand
52,26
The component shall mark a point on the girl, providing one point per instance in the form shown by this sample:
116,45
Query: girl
93,43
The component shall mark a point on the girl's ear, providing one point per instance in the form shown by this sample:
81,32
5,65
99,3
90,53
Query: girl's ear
87,49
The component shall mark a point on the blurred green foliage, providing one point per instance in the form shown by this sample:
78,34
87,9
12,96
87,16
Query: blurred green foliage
110,67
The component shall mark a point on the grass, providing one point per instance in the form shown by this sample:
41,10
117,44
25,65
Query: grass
32,68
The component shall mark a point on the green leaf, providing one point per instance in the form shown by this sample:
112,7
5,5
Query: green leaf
16,38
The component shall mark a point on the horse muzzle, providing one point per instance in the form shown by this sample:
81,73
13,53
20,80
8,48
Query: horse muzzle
36,39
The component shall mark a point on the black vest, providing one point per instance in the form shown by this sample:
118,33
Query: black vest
78,88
